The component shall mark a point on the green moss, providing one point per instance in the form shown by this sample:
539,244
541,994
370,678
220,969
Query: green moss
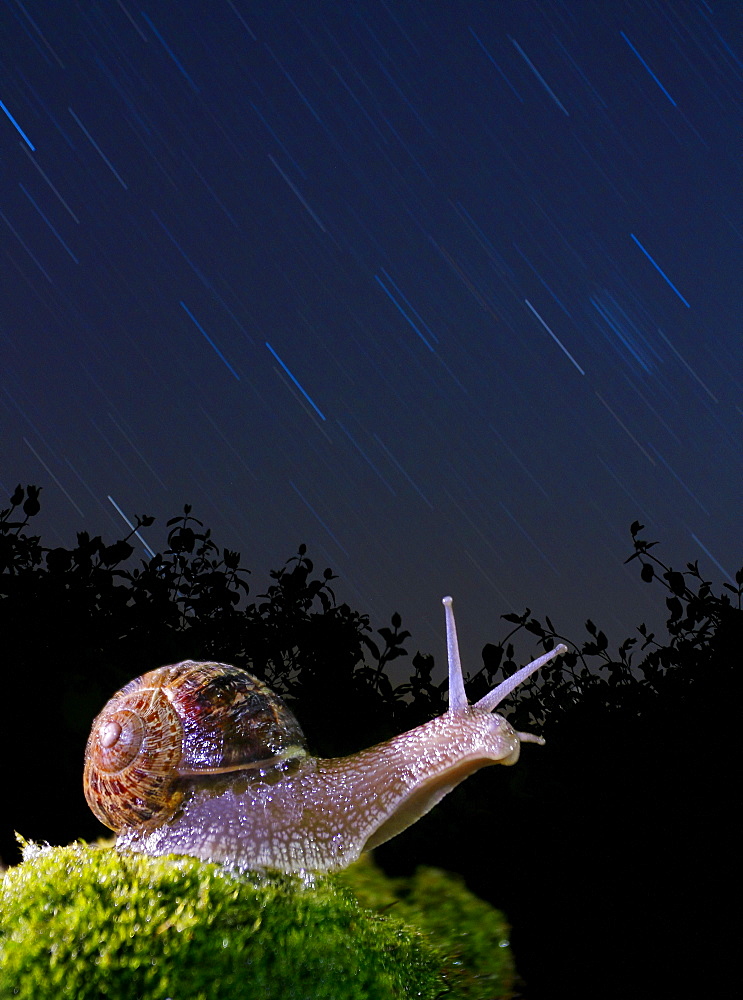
473,936
87,922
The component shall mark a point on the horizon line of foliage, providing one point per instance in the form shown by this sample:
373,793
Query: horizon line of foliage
301,641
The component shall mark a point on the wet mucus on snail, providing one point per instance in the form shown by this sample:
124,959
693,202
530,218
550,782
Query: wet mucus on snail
203,759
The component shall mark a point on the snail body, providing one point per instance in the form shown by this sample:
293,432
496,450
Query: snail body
203,759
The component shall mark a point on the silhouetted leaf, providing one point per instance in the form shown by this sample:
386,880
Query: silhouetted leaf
517,619
111,555
675,607
31,505
535,628
492,654
182,540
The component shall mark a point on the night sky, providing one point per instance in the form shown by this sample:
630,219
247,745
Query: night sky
449,291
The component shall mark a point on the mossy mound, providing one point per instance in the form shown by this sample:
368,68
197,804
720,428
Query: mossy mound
87,922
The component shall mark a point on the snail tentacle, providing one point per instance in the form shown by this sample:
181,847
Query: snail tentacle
457,696
493,698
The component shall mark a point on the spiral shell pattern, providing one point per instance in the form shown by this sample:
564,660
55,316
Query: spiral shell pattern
166,728
131,758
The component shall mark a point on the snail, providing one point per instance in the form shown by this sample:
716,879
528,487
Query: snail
203,759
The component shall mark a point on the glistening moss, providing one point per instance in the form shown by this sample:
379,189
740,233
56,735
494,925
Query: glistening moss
84,922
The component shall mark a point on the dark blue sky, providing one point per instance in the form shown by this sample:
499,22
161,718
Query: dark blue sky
451,292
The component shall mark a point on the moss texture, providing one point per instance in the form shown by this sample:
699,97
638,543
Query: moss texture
87,922
474,937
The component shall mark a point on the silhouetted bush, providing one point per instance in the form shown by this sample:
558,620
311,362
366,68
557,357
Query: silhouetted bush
604,848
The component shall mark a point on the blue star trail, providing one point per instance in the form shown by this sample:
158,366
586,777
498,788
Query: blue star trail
209,340
554,336
660,270
539,77
655,78
150,552
17,127
296,382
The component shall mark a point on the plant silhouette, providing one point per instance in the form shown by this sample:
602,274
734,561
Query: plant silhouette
587,845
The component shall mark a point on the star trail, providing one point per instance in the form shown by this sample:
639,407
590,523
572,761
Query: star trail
451,293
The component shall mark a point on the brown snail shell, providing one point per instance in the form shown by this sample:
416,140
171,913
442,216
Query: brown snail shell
177,722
